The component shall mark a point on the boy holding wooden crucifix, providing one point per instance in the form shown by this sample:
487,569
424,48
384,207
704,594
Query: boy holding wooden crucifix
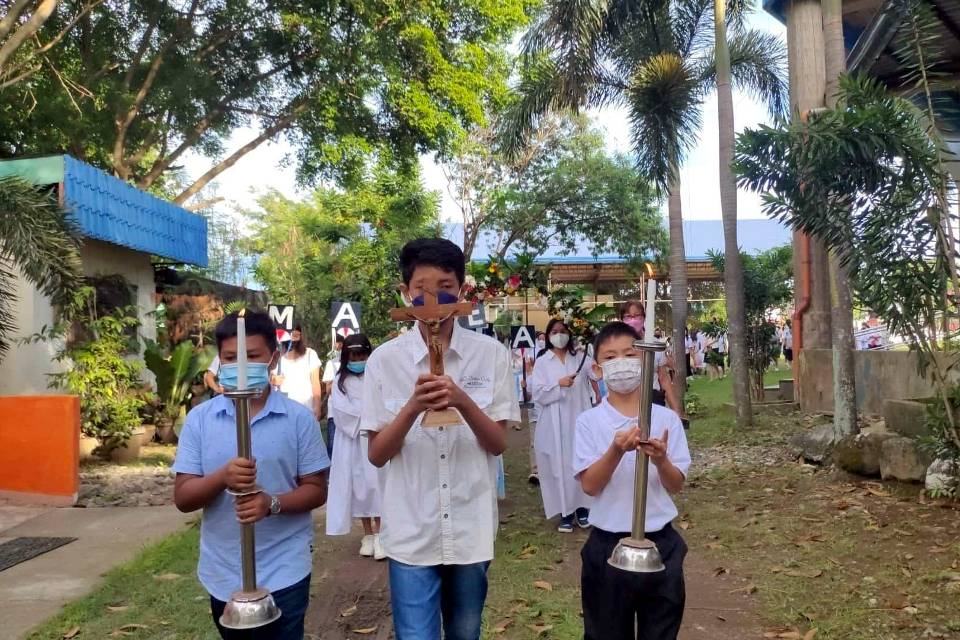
439,515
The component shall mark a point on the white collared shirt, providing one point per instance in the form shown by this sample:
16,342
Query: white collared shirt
612,509
440,490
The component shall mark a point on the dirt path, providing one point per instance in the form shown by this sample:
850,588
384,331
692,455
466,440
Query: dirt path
351,600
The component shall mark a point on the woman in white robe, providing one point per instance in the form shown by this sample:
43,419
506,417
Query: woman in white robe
354,490
562,394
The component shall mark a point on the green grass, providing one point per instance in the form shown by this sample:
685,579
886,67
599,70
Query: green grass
154,596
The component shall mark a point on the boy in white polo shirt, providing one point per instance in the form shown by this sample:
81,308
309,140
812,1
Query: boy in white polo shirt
439,502
619,605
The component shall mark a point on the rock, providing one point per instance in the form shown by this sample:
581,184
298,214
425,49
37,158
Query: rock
813,445
860,453
901,459
942,477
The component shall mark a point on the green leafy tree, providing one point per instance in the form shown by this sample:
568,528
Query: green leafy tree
342,245
767,284
40,243
656,59
136,86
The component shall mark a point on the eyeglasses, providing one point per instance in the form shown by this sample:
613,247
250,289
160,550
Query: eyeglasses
633,316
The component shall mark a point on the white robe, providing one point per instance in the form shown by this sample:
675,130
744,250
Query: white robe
559,409
354,482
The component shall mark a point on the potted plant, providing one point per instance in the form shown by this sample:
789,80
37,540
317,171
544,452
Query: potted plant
175,375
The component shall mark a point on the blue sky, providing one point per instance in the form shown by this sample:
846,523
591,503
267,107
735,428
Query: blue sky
268,166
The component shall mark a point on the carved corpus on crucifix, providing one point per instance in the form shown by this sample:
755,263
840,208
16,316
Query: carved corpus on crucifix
432,315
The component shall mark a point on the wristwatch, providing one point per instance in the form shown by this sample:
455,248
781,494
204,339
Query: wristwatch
274,505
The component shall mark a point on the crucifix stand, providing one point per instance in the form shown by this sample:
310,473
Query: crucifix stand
432,315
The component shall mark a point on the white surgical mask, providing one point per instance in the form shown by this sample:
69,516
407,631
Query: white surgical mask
622,375
560,340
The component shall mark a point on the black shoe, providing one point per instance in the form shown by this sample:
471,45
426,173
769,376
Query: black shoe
566,524
534,479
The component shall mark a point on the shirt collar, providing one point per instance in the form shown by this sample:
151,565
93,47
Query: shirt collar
614,416
274,404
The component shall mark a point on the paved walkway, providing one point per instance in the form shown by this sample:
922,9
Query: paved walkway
34,590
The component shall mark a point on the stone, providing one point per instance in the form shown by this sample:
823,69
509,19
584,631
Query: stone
813,445
942,477
901,459
860,453
906,417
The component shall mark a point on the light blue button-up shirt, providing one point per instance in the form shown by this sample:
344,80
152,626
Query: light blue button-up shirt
286,445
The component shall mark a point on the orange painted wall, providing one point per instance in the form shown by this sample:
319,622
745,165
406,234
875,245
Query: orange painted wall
40,445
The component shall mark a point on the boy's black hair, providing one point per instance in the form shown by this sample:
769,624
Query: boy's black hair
432,252
354,342
258,324
610,331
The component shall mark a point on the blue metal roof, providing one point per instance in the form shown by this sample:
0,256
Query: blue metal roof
107,208
699,237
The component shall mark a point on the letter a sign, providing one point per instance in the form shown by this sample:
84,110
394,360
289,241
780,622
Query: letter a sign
345,318
522,337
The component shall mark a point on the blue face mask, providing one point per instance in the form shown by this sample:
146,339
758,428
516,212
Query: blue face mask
258,375
442,298
356,367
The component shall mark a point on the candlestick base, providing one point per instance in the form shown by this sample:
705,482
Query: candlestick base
636,556
250,610
442,418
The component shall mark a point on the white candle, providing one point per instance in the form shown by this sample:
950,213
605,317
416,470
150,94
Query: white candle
651,300
241,352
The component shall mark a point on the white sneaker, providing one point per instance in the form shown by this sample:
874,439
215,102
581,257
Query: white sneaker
366,546
378,552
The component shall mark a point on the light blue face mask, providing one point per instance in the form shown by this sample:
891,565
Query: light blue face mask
356,367
258,375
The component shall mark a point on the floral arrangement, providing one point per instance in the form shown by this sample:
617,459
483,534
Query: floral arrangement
567,304
498,278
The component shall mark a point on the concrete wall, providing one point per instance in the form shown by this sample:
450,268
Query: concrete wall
40,449
23,370
881,375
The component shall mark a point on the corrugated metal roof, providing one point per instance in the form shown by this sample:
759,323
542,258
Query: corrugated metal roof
107,208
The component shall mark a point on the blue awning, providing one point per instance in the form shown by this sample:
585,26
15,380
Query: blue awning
107,208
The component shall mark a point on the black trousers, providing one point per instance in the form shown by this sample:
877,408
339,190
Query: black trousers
619,605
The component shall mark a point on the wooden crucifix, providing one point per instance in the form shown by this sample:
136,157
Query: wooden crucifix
432,314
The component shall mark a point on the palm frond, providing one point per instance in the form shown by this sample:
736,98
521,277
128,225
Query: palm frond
40,241
538,93
692,23
758,62
665,102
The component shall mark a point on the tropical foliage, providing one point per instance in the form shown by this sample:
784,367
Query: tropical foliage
175,374
498,278
866,178
582,319
38,240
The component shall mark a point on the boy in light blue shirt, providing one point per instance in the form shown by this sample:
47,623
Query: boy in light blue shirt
290,465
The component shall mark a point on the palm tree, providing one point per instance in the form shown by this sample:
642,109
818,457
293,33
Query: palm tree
38,240
733,267
656,58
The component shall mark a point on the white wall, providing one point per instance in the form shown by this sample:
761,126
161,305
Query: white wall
23,370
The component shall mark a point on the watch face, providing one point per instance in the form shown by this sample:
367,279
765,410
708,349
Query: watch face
275,505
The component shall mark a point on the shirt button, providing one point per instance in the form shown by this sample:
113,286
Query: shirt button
444,485
441,428
446,515
443,456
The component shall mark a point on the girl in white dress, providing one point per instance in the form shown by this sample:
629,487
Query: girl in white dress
562,394
354,481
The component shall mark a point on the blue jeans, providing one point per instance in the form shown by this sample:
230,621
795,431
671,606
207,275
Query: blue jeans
423,598
331,430
292,600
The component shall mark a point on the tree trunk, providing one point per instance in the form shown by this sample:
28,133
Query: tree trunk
678,286
841,305
733,266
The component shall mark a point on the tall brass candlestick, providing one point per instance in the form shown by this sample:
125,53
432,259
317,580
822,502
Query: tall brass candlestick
636,553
